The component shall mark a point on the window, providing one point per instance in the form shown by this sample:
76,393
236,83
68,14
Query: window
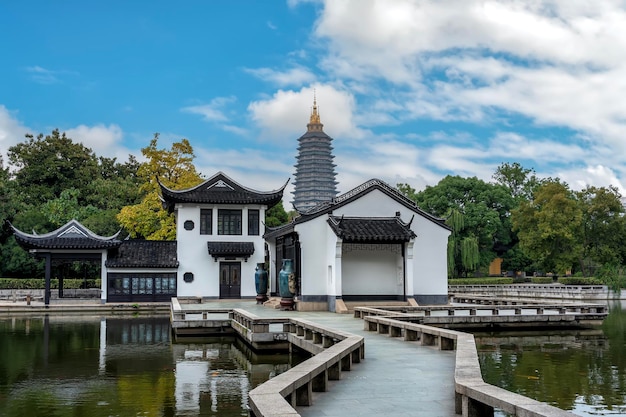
228,222
206,221
253,222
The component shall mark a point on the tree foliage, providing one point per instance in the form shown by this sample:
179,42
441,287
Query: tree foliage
51,180
549,227
173,168
485,210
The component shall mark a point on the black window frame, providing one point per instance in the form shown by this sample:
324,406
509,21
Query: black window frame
206,221
254,217
229,222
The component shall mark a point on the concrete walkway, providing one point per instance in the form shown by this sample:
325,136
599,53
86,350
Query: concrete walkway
397,378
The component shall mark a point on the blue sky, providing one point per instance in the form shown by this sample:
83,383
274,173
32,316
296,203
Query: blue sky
410,90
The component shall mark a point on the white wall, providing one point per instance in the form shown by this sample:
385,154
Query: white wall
368,271
430,274
313,268
193,254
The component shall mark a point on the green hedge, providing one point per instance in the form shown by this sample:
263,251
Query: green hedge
39,283
580,281
542,280
481,281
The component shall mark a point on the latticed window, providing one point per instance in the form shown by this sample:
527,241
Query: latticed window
253,222
228,222
206,221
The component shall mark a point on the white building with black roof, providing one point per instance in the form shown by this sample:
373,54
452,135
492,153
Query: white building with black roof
219,233
371,243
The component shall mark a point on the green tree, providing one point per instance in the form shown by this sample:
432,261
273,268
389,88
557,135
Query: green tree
521,182
175,169
485,208
45,166
603,225
549,227
276,216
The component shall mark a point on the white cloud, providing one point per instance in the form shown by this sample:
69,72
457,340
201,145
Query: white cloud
103,140
597,176
42,75
12,131
212,112
295,76
284,116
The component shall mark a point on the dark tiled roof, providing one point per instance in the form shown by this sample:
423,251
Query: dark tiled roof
326,208
230,249
71,236
371,229
220,189
144,254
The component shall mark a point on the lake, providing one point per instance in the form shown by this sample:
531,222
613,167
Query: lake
92,367
583,371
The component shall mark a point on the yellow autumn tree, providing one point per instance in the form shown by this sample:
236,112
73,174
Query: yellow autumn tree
174,168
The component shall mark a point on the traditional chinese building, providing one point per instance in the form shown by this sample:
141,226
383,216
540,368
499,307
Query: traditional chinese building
371,243
315,171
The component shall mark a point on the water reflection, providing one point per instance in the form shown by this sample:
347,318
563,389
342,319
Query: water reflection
123,366
583,371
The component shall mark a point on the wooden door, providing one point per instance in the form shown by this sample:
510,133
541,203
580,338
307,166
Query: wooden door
230,279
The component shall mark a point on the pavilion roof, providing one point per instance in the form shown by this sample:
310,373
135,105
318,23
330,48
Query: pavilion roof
71,236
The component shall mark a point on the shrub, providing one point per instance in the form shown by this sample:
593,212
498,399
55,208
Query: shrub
481,281
542,280
580,281
40,283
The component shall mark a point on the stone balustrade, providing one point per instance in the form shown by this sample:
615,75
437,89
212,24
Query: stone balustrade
333,352
473,396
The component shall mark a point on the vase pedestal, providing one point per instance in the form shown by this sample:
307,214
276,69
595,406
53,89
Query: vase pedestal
261,298
287,304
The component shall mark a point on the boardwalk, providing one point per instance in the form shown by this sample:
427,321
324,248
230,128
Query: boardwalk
396,378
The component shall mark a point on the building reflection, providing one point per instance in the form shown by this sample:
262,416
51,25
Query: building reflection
208,376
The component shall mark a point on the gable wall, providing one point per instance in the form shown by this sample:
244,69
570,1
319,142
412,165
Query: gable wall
430,275
316,246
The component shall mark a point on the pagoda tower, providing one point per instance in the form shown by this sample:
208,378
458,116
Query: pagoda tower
315,171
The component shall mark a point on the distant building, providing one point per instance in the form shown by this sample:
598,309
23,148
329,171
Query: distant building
315,171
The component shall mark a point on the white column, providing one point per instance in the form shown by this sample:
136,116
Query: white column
409,264
338,291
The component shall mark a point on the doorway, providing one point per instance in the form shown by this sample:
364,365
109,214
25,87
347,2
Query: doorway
230,279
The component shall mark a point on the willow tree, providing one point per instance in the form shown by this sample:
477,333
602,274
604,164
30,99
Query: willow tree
463,250
173,168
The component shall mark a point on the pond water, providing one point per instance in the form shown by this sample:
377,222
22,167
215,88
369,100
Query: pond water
92,367
583,371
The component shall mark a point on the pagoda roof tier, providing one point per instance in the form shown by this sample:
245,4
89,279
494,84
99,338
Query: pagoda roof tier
220,189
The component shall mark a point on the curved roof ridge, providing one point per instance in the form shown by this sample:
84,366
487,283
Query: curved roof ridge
71,226
215,177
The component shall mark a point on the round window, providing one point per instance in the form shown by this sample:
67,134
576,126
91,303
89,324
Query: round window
188,277
188,225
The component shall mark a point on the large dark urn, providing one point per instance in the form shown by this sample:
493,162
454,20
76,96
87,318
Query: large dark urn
260,281
287,285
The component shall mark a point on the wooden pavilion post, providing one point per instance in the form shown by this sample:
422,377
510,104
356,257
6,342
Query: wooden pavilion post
46,295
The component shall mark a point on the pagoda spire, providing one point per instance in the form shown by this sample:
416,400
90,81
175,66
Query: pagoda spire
315,124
